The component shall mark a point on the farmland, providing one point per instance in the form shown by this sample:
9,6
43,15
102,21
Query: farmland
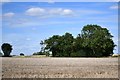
48,67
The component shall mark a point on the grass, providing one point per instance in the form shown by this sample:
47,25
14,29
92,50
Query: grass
33,56
43,56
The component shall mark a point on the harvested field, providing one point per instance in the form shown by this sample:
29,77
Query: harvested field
60,67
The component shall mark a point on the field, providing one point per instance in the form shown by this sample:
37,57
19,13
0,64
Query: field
59,67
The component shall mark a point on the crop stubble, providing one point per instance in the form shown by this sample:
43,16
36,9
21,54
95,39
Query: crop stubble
60,67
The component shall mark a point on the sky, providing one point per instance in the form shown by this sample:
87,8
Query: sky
25,24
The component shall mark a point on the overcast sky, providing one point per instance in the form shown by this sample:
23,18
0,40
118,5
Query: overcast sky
25,24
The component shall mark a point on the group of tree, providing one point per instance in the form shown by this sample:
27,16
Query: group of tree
7,49
94,41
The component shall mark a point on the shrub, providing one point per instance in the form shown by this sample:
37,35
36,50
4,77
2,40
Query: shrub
21,54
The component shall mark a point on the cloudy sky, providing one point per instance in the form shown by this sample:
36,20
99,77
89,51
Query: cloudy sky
25,24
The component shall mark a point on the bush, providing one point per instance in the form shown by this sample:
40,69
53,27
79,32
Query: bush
39,53
21,54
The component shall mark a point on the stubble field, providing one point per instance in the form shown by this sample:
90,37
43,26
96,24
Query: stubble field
60,67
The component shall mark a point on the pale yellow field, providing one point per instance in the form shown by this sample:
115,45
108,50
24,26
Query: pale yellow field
59,67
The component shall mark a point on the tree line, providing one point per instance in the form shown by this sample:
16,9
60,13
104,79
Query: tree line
94,41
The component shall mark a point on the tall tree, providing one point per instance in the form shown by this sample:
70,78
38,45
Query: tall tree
6,48
97,40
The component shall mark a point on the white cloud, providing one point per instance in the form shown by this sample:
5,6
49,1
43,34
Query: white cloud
114,7
42,12
67,12
35,11
10,14
60,11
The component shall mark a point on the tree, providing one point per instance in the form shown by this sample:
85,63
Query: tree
52,44
97,40
60,45
6,48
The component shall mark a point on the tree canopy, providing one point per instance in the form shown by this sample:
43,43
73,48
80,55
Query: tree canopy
6,48
93,41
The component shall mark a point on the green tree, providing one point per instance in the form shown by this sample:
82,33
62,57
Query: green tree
97,40
60,45
52,44
6,48
94,41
